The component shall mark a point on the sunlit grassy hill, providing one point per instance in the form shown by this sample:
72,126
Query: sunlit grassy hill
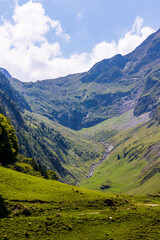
35,208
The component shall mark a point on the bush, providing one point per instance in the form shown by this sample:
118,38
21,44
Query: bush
31,167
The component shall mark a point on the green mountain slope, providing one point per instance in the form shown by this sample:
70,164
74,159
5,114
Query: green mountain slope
133,166
35,208
67,152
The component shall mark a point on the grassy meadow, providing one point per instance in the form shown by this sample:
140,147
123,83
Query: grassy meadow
35,208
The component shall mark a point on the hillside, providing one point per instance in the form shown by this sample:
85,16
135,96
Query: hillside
68,153
133,166
110,88
35,208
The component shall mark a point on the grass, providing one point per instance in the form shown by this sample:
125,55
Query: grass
134,163
43,209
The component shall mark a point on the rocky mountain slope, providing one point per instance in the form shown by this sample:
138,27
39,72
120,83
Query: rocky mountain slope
11,101
110,88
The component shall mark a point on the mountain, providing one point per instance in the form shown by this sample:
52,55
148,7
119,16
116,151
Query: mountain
110,88
69,153
118,98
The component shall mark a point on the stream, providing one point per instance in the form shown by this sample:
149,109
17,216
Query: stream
109,147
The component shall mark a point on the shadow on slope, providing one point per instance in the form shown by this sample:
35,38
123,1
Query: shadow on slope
3,208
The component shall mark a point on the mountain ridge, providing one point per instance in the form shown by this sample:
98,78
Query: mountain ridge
110,88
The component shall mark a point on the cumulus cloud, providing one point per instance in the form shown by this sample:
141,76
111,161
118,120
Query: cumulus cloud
24,48
28,55
124,45
134,37
103,50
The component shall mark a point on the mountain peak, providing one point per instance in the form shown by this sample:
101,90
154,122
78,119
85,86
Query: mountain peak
5,73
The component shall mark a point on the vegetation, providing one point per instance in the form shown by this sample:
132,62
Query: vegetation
68,153
30,166
9,157
133,166
35,208
8,142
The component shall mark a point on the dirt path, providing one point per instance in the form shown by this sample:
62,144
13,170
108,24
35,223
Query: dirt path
91,213
150,204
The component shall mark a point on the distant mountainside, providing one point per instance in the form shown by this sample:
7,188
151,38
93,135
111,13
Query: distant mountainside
110,88
11,101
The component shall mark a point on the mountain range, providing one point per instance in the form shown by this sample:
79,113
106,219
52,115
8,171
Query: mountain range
69,124
110,88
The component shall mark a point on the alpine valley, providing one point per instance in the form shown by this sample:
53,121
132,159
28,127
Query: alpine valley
97,130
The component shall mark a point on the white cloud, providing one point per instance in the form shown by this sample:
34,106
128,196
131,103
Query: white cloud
59,30
26,53
103,50
137,25
134,38
24,49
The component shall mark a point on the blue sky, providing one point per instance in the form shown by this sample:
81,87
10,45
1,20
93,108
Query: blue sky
51,38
